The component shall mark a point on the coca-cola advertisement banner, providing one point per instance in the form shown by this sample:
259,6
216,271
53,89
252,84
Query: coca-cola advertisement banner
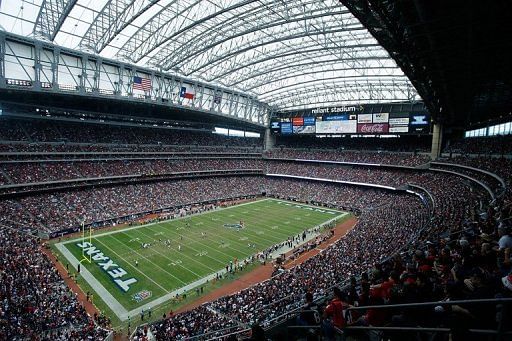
373,128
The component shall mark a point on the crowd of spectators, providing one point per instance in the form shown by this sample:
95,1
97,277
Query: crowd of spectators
474,263
389,229
386,225
479,174
35,303
33,172
12,214
500,166
449,191
53,150
458,252
64,210
371,175
386,158
44,131
43,171
342,197
498,145
67,209
397,144
200,321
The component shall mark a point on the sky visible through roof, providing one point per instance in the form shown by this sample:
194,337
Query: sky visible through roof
292,55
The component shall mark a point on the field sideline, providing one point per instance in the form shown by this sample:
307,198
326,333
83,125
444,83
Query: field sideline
144,266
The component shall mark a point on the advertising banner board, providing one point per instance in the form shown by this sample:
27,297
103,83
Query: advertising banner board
286,128
364,118
336,127
373,128
399,129
304,129
382,117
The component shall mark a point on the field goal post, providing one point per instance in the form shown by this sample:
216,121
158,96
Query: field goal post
86,236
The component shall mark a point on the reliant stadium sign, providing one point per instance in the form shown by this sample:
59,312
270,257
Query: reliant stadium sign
335,110
116,273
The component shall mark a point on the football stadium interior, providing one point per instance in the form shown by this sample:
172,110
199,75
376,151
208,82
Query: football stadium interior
255,170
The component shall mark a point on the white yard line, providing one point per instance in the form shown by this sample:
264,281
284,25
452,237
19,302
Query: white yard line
179,218
137,269
293,203
166,297
309,237
182,254
207,246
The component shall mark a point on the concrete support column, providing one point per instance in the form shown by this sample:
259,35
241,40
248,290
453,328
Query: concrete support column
269,140
437,140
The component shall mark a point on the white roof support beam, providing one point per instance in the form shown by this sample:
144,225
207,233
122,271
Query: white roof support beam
51,17
285,53
114,17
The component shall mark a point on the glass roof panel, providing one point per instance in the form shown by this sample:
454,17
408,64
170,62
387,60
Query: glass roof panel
290,54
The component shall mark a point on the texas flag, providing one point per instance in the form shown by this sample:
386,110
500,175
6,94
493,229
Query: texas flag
186,94
217,98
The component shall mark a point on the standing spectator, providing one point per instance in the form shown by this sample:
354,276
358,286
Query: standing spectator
334,314
257,333
309,316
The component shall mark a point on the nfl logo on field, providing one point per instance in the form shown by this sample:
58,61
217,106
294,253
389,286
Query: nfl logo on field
142,295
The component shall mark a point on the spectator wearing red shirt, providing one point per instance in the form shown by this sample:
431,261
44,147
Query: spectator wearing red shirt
334,314
387,286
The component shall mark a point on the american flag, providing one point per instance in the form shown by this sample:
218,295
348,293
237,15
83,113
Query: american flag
140,83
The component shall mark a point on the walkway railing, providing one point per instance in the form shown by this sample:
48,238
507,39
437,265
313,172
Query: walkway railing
500,309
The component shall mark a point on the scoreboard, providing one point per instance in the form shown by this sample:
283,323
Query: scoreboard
354,123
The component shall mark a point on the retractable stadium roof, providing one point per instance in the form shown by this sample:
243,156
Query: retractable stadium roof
457,53
290,54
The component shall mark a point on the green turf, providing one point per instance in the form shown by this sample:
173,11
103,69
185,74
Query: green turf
162,269
159,310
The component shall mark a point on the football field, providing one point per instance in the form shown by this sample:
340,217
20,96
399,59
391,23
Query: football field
143,266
